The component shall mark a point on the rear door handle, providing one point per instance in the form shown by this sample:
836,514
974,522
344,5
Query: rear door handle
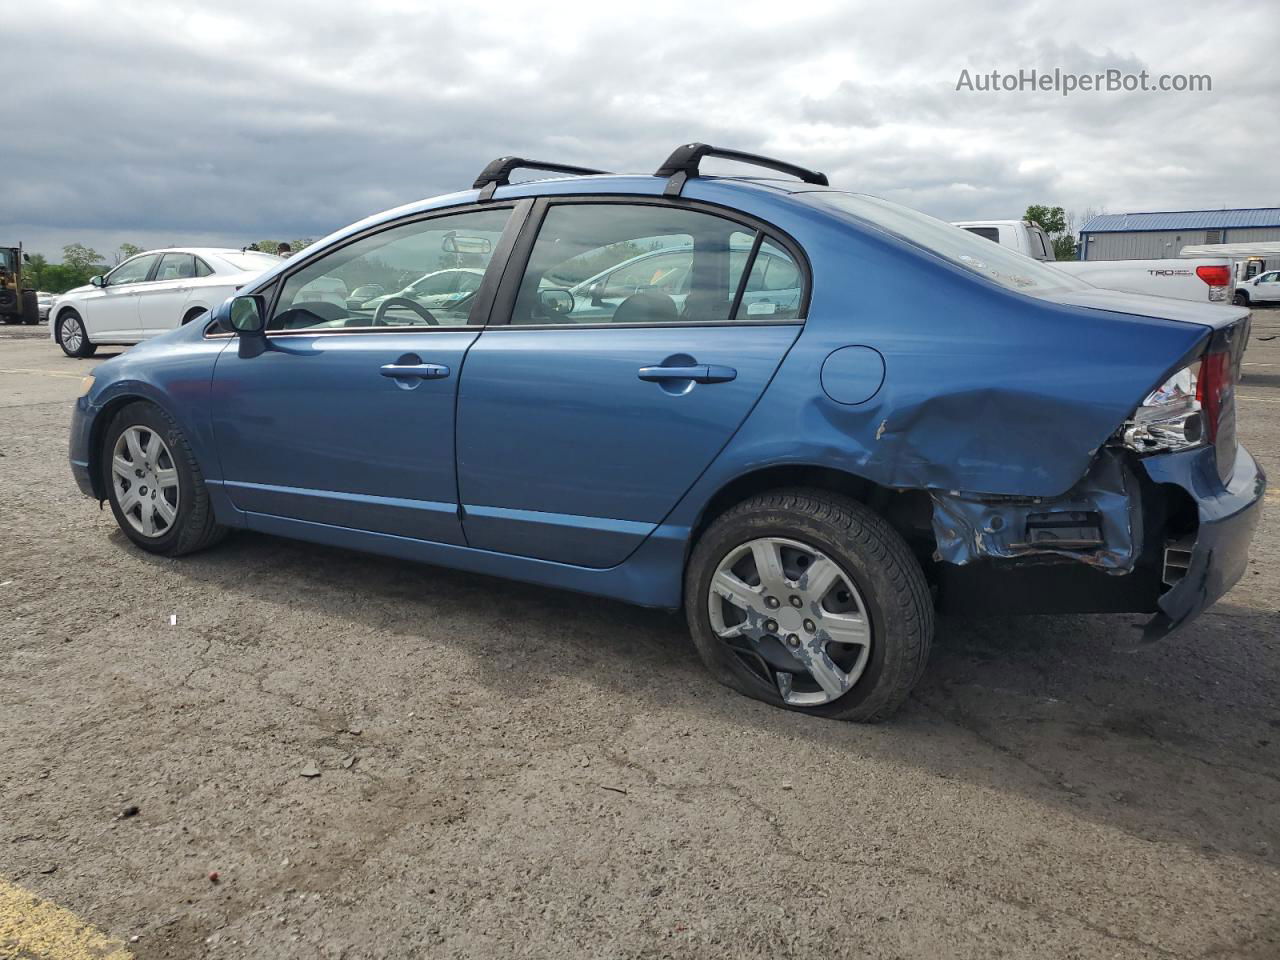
700,373
419,371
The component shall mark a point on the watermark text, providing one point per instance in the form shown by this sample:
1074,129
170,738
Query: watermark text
1067,83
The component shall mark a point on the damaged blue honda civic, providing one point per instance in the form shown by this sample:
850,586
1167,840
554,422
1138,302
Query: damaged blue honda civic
808,417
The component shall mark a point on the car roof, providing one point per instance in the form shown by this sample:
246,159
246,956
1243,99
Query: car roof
207,251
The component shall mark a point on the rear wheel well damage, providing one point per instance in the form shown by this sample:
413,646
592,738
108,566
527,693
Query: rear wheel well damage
1115,542
907,511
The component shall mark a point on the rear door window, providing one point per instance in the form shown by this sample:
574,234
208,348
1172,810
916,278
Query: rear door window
774,287
176,266
632,263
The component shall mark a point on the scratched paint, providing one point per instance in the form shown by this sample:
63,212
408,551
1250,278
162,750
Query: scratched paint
37,929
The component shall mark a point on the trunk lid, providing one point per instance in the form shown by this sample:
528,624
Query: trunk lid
1212,315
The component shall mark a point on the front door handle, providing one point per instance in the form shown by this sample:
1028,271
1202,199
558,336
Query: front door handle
698,373
418,371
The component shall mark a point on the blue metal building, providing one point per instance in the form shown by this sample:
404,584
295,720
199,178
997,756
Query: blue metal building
1149,236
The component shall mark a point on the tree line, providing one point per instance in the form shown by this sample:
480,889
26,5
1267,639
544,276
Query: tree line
80,262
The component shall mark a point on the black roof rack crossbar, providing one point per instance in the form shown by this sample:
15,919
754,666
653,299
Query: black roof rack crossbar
684,159
498,173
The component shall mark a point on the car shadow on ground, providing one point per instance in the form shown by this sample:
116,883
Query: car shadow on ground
1176,742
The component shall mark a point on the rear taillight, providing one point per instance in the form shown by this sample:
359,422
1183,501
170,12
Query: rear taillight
1213,391
1215,276
1218,278
1170,417
1194,407
1216,393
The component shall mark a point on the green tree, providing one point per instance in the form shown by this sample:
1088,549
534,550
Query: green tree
1058,224
81,258
1052,220
126,251
34,271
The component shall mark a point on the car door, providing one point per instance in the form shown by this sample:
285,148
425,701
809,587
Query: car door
112,314
576,439
1268,286
161,299
347,419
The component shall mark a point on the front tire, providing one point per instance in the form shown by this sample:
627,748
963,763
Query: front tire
155,486
810,601
1241,299
72,337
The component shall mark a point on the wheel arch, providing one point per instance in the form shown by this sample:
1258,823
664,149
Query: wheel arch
61,315
135,392
909,512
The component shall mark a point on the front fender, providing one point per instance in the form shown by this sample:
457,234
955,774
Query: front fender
173,371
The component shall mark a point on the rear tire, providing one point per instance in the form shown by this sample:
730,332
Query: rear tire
192,314
153,511
30,308
876,578
71,336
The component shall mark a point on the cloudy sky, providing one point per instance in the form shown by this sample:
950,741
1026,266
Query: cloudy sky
229,122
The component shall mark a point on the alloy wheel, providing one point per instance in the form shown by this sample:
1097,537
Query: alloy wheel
72,334
145,480
793,617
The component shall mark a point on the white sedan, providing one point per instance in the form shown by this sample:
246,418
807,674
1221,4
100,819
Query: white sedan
149,294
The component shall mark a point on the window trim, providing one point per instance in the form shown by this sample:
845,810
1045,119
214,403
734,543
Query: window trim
504,303
480,307
151,271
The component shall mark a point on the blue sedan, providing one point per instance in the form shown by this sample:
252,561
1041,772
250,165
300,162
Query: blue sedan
920,420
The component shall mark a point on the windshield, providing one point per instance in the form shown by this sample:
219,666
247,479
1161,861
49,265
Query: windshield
1006,267
251,260
8,259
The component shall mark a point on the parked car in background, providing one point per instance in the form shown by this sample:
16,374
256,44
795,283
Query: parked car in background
1021,235
1264,288
772,288
1204,279
938,423
149,294
44,302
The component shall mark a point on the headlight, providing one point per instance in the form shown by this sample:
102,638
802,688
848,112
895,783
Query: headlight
86,385
1169,418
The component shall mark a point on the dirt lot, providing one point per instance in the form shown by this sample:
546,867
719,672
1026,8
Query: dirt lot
512,771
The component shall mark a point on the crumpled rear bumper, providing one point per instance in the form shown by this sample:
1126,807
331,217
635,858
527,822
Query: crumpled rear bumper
1228,515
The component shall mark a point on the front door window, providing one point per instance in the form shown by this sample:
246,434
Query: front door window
418,274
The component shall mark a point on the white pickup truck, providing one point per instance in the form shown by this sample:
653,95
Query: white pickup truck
1206,279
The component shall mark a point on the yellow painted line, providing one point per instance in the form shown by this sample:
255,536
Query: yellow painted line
1272,495
1256,399
46,373
37,929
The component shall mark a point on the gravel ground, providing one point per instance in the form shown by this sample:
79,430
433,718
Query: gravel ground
511,771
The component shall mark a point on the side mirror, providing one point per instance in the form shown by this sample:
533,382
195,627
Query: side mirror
556,303
246,314
26,258
98,281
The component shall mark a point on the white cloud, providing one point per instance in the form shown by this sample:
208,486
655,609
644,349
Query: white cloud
156,122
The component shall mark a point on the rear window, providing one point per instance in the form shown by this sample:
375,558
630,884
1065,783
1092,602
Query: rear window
251,260
1006,267
989,233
